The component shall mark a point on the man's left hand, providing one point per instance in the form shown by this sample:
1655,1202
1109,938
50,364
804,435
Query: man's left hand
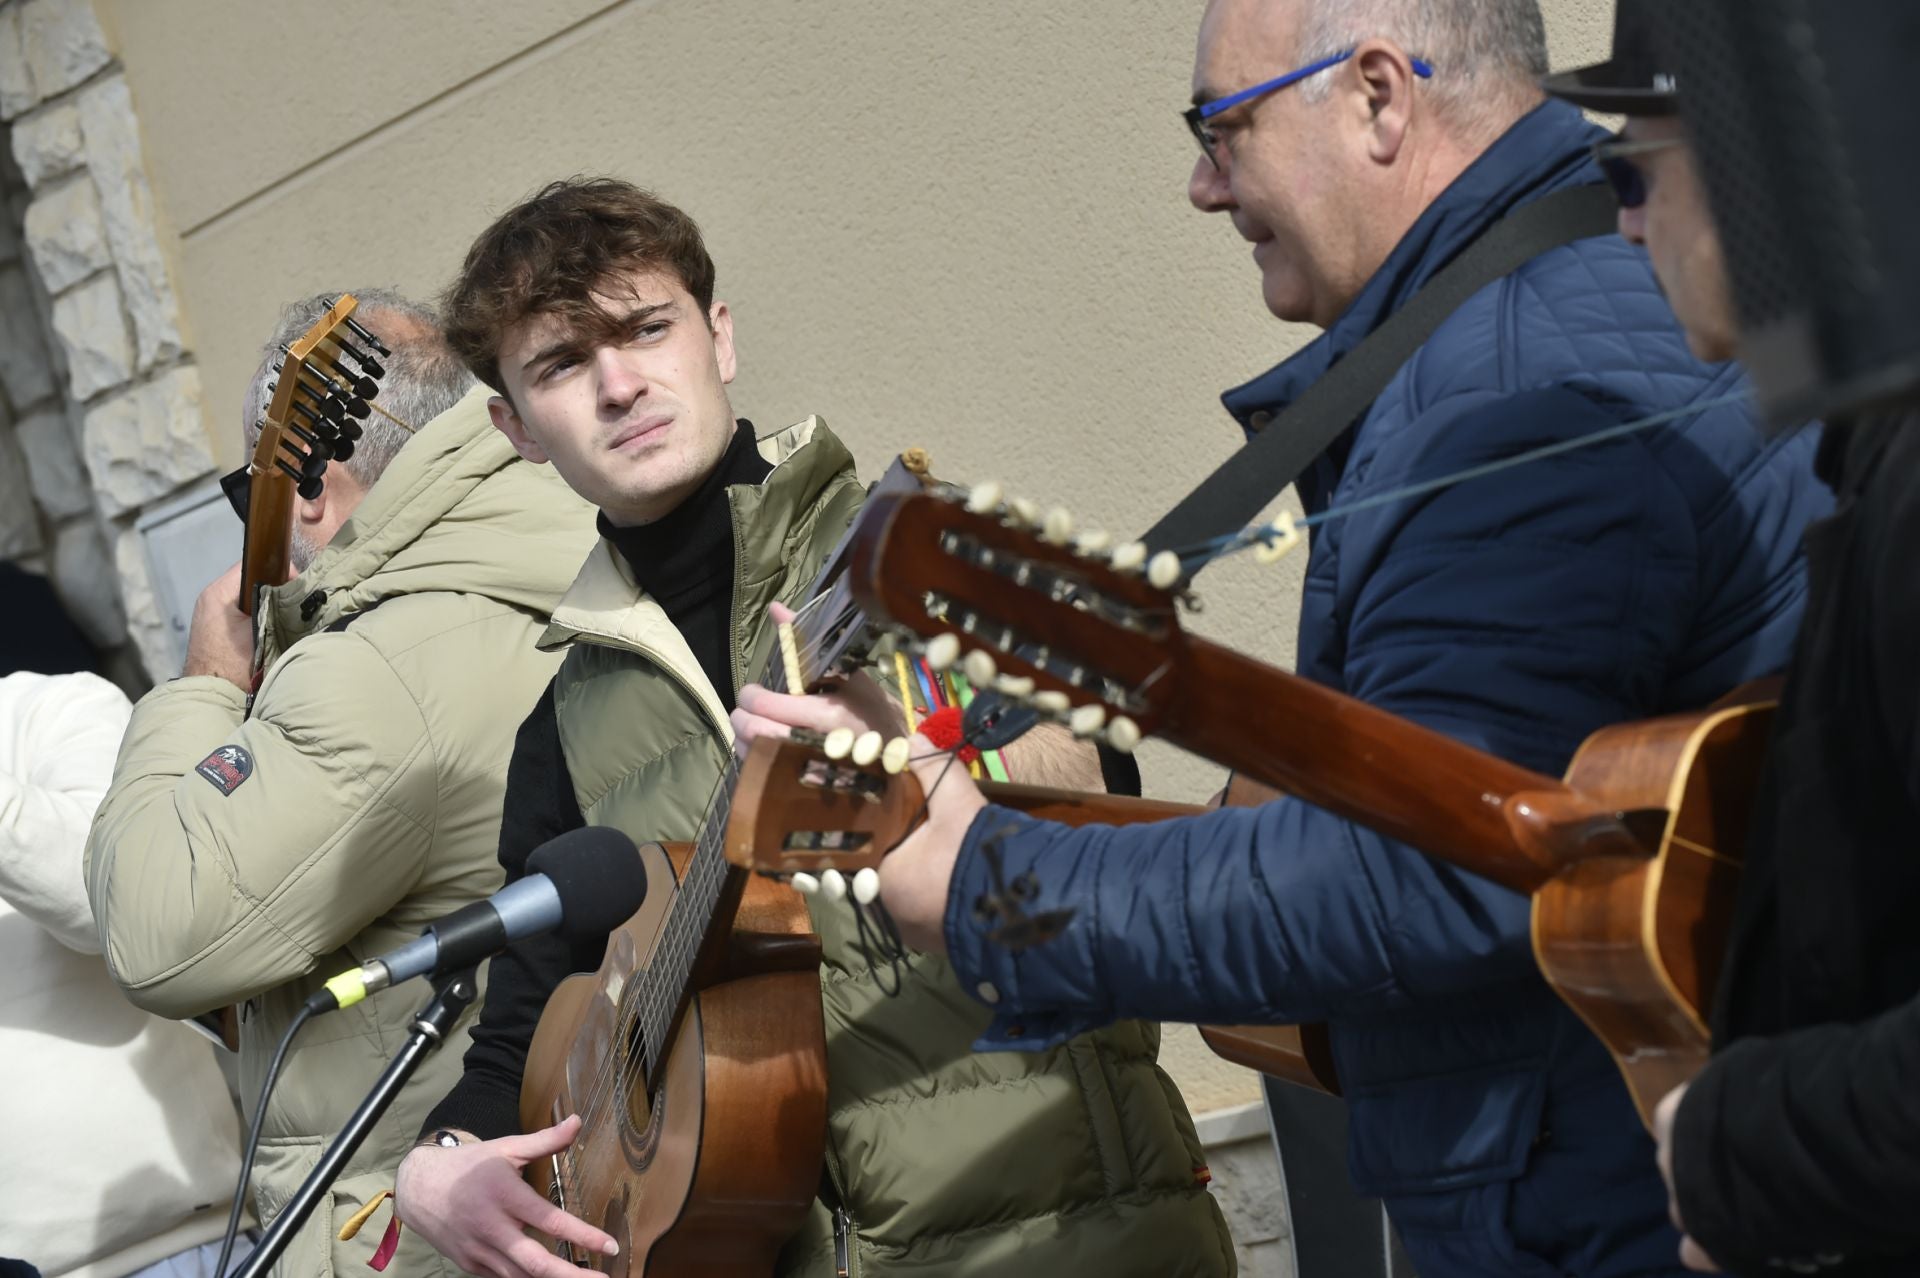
1692,1255
220,641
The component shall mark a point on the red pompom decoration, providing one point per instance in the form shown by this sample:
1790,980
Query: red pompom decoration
945,728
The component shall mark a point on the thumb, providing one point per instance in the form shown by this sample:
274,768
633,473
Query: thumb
548,1140
780,613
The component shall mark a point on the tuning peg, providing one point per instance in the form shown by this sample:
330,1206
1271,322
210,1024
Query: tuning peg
1016,687
833,885
979,668
1050,701
1164,571
866,748
942,651
1022,512
1087,720
1092,542
1057,527
894,757
805,884
1276,540
866,885
839,743
1130,557
985,498
1123,734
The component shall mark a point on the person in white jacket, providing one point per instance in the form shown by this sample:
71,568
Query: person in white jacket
120,1137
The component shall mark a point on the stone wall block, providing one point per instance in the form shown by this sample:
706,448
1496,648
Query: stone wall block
19,520
83,575
111,136
93,332
145,443
52,451
48,144
152,636
63,43
26,372
65,235
16,82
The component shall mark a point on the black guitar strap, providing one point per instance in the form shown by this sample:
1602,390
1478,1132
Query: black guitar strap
1235,494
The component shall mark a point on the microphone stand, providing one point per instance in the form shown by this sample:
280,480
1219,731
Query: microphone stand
453,994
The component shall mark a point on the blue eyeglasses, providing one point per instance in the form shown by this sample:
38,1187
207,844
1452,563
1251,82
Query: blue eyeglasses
1197,115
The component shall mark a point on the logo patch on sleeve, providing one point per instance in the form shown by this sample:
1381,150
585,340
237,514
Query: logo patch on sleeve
226,768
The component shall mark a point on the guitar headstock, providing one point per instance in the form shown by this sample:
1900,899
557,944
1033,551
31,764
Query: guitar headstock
800,811
1040,616
324,384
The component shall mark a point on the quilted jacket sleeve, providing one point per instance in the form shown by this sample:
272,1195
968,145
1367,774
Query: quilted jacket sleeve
1516,614
229,856
1798,1150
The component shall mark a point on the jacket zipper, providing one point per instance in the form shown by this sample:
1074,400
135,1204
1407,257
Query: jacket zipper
842,1228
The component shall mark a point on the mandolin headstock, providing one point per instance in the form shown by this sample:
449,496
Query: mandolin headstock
1084,636
323,390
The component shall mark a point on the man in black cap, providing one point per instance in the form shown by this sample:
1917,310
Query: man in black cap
1798,1147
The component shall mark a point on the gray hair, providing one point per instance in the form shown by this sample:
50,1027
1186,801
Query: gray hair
1487,55
423,378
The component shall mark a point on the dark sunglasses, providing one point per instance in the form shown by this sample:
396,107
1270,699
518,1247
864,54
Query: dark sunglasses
1615,158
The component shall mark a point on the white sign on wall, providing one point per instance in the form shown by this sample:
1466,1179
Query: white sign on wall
188,542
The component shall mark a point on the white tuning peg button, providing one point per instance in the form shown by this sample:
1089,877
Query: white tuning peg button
866,886
1023,512
1087,720
979,668
1058,526
1049,701
894,757
985,498
833,885
1092,542
942,651
839,743
1015,687
1123,734
1164,572
1130,557
805,884
866,748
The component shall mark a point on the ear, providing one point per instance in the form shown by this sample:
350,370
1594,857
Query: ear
508,423
338,490
720,320
1388,82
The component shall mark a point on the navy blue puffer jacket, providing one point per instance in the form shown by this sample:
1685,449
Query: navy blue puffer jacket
1518,612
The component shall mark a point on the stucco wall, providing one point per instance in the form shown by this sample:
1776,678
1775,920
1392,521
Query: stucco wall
960,224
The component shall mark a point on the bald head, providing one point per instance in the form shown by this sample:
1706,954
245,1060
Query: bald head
1324,177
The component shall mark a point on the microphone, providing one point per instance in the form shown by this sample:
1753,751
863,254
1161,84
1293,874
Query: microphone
585,883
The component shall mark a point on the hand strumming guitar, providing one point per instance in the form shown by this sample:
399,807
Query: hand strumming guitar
469,1202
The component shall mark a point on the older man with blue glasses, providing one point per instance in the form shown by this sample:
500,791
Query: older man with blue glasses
1362,146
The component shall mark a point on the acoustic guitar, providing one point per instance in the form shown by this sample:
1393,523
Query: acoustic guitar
1631,860
696,1053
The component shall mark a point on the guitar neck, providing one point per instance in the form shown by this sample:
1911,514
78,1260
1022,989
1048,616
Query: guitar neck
1462,805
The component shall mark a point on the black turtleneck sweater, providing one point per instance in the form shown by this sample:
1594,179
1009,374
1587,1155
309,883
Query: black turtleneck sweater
684,560
685,563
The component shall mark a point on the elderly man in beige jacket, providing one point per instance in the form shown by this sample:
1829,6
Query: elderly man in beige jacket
249,848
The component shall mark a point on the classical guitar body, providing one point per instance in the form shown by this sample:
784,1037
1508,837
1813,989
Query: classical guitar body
706,1162
1632,943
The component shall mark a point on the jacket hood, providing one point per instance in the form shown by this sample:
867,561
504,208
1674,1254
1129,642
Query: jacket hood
1545,151
457,510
